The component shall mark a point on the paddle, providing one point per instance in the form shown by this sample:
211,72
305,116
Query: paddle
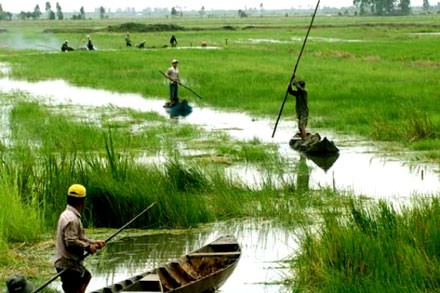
88,253
294,70
182,85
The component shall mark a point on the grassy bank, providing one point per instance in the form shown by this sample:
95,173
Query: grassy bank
372,248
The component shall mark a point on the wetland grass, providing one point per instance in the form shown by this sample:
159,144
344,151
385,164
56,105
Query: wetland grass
365,79
383,86
373,248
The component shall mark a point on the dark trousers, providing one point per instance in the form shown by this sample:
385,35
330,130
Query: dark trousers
173,92
73,280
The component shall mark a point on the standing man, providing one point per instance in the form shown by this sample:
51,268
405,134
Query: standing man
302,109
90,43
173,76
71,243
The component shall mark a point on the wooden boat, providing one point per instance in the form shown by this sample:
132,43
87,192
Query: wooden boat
201,271
313,145
179,108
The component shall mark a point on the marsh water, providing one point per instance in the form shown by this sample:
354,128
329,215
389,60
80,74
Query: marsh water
361,168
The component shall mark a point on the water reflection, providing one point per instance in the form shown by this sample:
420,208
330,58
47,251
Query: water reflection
263,245
360,167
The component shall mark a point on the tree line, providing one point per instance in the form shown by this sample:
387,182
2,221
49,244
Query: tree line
386,7
49,12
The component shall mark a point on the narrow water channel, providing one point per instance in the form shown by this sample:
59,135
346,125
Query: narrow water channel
361,168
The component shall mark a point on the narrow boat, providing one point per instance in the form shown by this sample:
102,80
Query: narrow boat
313,145
201,271
179,108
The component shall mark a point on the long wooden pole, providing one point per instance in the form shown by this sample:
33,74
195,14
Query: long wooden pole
294,70
188,88
87,254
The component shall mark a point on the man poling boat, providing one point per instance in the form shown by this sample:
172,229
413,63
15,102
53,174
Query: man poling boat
294,70
88,253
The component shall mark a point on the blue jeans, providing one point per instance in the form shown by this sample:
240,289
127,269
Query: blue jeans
173,92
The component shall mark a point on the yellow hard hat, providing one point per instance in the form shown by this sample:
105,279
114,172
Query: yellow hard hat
77,190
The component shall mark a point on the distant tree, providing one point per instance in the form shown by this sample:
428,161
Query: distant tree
174,11
202,11
102,12
37,12
4,15
48,6
242,13
23,15
363,5
51,15
404,6
60,14
426,5
82,14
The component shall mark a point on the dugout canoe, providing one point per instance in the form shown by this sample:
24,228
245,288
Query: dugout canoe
201,271
180,108
313,145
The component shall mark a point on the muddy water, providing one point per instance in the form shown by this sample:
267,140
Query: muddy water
360,168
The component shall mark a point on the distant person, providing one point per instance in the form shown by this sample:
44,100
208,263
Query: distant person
141,45
173,76
71,243
173,41
65,46
90,45
127,40
302,109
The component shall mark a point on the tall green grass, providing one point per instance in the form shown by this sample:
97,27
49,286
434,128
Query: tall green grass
373,248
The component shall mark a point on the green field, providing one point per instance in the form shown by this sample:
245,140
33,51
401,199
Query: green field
369,76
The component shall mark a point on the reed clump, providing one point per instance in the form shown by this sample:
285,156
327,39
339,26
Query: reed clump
372,248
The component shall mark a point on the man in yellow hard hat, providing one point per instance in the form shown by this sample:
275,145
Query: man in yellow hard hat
71,243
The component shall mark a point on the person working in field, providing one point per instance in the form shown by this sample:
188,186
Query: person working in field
127,40
71,243
65,46
173,76
173,41
302,109
90,45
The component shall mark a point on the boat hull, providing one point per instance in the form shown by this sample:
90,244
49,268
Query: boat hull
201,271
313,145
180,108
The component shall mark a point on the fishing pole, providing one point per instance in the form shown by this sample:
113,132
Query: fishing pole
88,253
296,66
182,85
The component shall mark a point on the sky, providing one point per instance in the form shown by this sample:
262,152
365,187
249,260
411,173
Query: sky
16,6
